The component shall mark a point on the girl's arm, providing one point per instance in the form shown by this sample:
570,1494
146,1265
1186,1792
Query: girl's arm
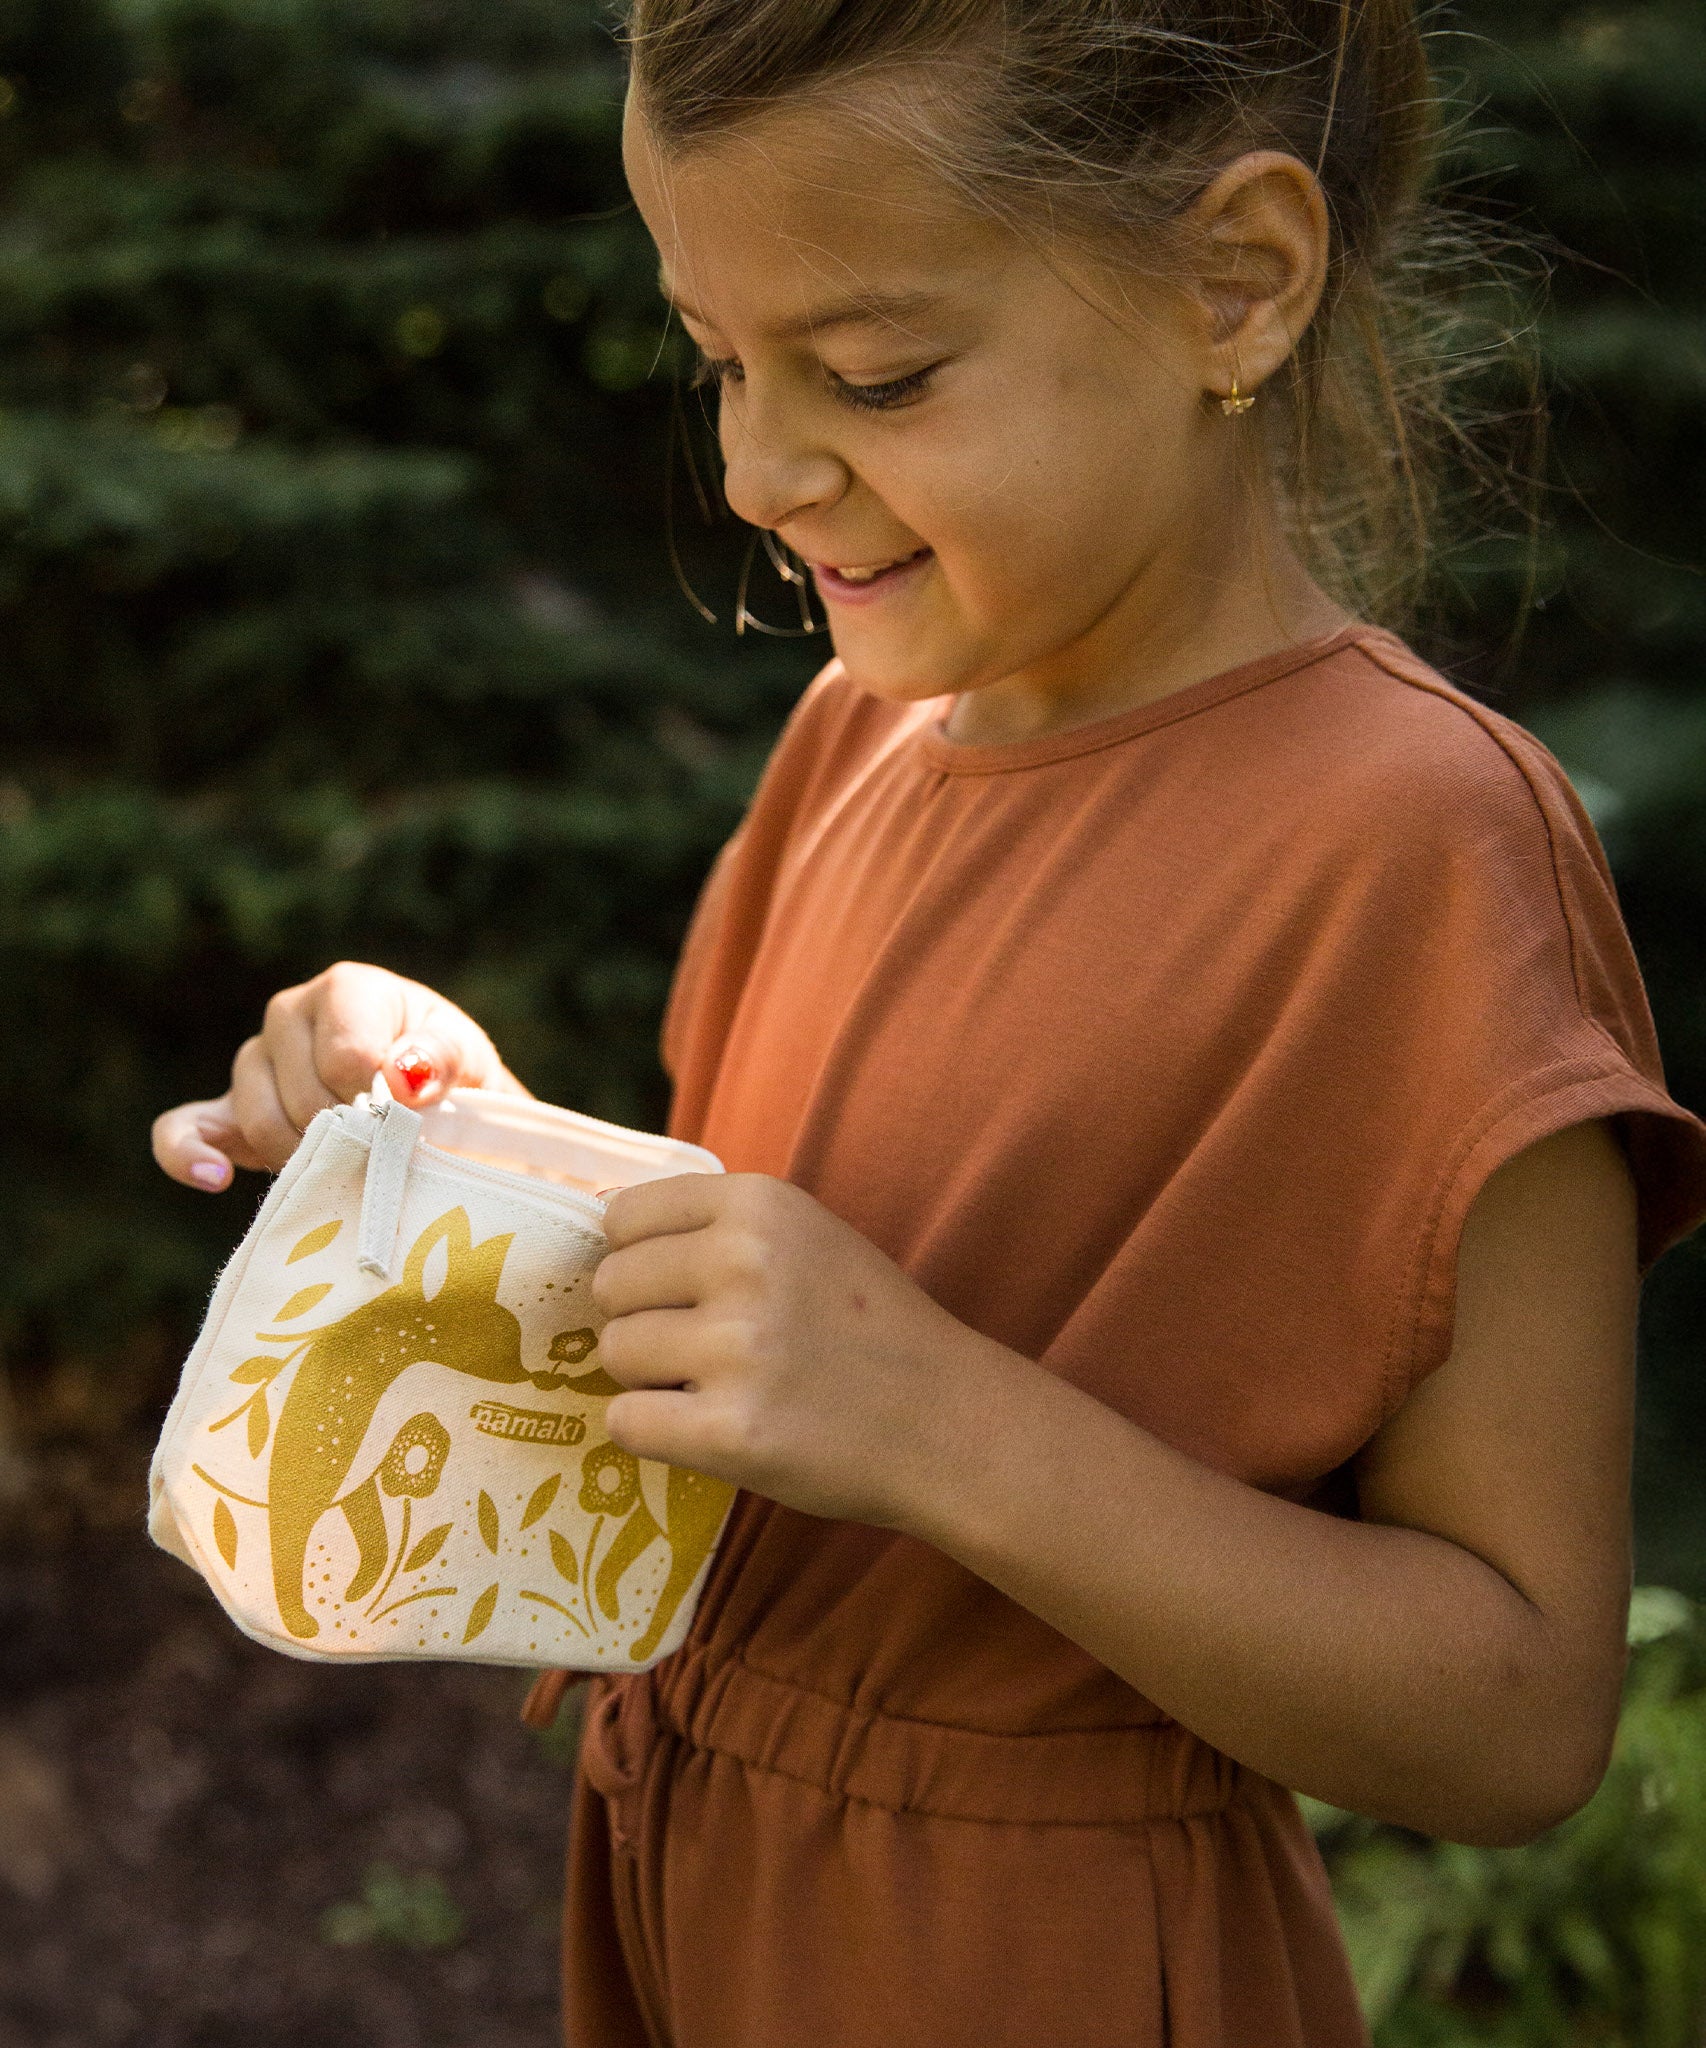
1452,1662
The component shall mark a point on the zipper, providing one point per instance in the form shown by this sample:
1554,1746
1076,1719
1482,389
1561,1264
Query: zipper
391,1153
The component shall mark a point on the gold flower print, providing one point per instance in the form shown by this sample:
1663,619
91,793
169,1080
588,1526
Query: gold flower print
576,1347
414,1464
610,1480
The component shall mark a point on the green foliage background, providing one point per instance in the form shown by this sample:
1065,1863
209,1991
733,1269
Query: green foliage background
338,620
333,586
1592,1937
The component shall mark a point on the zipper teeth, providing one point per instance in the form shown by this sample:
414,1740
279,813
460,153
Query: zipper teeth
505,1176
585,1206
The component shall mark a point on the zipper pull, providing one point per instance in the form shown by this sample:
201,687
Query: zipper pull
386,1183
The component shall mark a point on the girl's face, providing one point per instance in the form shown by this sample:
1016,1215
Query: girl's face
1005,475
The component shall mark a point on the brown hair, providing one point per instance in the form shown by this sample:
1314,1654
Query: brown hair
1103,118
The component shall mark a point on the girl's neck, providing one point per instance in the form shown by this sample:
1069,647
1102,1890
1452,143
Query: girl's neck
1167,631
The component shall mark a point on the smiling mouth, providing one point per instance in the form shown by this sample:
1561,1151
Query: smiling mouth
862,578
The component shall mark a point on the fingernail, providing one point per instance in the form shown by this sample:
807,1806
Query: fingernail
209,1173
414,1069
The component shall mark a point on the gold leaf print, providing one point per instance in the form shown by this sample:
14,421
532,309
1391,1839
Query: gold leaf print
479,1614
489,1522
300,1304
427,1548
260,1372
543,1495
563,1557
225,1533
315,1241
259,1423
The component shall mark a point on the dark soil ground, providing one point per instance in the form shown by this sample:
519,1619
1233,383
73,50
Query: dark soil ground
206,1845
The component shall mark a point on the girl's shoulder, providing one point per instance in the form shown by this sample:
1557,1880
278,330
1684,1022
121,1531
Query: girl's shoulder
1380,725
1379,762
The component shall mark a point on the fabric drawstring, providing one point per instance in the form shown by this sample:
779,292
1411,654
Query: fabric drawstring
382,1192
616,1746
544,1701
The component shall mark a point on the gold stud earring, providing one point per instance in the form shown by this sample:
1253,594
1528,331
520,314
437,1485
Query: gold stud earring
1237,402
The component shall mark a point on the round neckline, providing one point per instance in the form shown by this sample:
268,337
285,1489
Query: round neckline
957,757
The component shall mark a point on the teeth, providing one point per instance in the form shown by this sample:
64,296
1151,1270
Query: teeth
871,575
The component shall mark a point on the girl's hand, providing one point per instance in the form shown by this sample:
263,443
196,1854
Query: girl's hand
322,1043
772,1346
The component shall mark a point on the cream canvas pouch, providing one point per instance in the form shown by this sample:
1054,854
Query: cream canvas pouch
389,1438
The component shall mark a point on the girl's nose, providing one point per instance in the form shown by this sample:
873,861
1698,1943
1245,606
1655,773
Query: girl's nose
770,477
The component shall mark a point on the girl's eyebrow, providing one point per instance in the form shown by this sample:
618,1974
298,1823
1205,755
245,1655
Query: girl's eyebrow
871,309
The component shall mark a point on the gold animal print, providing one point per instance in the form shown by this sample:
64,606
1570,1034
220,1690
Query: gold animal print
344,1370
694,1506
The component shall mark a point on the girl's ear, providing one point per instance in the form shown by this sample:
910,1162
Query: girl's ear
1260,243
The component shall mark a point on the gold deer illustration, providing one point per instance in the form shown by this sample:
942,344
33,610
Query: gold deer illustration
345,1371
348,1366
694,1506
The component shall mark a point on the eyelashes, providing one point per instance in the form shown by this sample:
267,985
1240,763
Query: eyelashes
884,397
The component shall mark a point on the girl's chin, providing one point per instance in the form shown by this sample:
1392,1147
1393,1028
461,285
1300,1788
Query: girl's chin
897,675
932,653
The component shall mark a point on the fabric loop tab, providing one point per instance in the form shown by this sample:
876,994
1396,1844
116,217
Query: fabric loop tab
382,1192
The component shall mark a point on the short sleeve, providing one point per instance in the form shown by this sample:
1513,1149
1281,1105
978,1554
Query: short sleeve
1519,1012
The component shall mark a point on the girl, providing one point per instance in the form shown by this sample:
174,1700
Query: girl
1194,1120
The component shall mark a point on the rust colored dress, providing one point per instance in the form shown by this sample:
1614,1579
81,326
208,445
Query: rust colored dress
1170,1052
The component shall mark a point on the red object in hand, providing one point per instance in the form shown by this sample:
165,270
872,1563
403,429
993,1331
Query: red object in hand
414,1070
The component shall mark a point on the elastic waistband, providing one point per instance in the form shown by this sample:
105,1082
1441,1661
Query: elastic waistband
1100,1777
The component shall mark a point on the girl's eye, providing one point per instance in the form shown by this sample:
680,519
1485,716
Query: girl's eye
883,397
895,391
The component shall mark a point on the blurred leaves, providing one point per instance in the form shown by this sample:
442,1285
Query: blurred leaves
1595,1934
333,581
414,1912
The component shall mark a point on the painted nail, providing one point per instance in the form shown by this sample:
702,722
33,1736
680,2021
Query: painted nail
414,1069
208,1173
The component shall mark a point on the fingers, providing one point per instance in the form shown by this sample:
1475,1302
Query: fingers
329,1036
657,1272
288,1049
675,1428
321,1043
654,1347
367,1019
441,1049
267,1127
350,1017
199,1143
660,1208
